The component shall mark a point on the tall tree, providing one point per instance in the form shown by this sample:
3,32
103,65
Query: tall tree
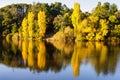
30,24
24,28
76,18
41,24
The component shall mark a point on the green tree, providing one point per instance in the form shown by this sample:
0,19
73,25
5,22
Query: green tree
102,11
14,28
116,31
59,23
117,14
7,22
1,19
113,9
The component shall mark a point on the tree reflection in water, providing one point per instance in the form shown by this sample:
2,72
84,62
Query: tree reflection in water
42,56
24,50
31,54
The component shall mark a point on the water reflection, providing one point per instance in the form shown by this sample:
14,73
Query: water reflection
41,56
103,57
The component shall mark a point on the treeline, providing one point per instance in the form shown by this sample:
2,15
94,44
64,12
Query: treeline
10,22
43,20
9,19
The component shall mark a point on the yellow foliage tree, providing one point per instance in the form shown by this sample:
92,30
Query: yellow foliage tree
104,27
24,28
41,24
30,24
103,31
76,19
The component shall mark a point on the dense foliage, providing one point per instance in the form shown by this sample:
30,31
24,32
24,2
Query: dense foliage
41,20
99,25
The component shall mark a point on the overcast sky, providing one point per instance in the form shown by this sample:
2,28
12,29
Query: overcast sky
86,5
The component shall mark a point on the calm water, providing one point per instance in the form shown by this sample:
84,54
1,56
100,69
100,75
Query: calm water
37,60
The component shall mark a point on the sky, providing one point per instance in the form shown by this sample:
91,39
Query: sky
86,5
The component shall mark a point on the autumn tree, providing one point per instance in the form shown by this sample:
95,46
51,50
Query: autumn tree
92,26
103,30
76,19
113,19
41,24
24,28
30,24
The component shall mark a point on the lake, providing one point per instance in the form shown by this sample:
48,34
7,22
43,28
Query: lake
38,60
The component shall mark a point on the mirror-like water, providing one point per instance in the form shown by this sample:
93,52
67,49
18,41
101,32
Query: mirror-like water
37,60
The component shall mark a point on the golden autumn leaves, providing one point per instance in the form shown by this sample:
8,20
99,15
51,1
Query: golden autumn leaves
76,19
24,28
28,26
91,28
41,23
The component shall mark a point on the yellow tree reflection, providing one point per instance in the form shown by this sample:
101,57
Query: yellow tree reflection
103,55
75,61
67,48
82,52
41,55
30,54
24,50
101,60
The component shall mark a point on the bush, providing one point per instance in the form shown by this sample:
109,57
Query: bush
15,36
69,33
59,36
